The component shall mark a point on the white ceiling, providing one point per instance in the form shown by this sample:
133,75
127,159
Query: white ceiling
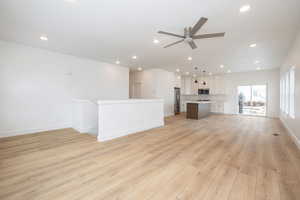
108,30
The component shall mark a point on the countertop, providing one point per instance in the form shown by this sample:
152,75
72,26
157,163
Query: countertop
130,101
199,102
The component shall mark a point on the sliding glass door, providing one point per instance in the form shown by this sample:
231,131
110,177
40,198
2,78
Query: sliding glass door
252,100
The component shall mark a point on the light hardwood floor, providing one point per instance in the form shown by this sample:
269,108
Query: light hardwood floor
217,158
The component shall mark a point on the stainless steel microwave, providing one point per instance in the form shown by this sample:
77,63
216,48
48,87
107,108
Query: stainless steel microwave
203,91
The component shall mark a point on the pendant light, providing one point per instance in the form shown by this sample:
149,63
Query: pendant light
203,82
196,68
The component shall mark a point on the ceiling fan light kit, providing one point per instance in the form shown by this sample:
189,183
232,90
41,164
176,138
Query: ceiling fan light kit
190,34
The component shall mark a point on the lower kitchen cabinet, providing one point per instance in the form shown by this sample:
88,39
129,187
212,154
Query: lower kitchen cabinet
217,107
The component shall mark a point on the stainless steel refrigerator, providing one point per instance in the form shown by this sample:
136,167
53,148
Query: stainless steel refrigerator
176,101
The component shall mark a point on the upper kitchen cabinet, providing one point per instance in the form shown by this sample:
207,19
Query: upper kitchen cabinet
195,86
186,85
205,82
216,85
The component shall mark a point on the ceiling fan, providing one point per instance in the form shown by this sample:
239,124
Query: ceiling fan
190,34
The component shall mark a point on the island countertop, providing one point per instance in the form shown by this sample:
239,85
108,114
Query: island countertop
199,102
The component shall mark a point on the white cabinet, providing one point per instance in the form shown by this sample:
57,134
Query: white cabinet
208,82
186,85
217,107
182,91
201,80
177,83
216,85
213,107
195,86
219,85
213,88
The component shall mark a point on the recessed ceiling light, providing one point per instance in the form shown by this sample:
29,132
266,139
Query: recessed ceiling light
245,8
155,41
252,45
177,70
258,68
134,57
187,73
118,62
178,77
256,62
44,38
222,66
229,71
139,68
190,58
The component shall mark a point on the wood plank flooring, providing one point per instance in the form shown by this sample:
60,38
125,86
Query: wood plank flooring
221,157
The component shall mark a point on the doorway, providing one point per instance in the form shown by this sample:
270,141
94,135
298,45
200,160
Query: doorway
252,100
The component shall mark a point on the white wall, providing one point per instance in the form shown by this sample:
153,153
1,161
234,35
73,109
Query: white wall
293,59
37,86
157,83
97,80
268,77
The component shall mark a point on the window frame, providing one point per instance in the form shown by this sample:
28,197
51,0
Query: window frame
292,92
287,92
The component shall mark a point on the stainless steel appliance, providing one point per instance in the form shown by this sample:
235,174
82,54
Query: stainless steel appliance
203,91
177,101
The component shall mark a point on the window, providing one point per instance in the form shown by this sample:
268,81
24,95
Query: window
292,92
287,96
283,91
287,93
281,95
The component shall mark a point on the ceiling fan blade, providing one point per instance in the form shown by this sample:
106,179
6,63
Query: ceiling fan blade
198,25
212,35
192,44
177,42
172,34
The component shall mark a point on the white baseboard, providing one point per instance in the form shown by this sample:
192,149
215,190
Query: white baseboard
86,129
33,130
291,133
126,133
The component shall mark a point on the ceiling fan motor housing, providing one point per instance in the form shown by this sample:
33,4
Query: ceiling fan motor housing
188,39
187,34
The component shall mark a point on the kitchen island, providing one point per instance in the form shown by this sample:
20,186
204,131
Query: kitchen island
118,118
197,109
